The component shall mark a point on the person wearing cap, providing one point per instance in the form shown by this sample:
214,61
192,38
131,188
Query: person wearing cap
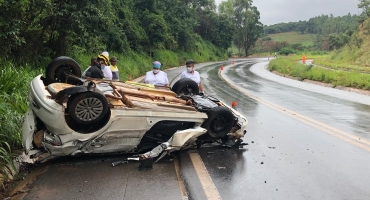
95,70
105,67
114,69
156,76
192,74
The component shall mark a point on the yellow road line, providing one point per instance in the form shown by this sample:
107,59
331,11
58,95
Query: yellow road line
204,177
184,195
348,137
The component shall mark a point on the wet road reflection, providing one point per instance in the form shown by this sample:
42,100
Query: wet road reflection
348,116
285,158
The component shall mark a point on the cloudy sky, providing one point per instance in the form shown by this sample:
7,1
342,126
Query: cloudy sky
276,11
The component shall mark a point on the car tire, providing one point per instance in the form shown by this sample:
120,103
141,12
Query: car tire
59,66
185,86
87,108
219,123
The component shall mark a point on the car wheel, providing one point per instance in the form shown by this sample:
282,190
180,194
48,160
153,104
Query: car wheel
185,86
219,123
87,108
60,66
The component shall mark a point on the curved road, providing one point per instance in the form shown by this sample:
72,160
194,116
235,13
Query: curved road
302,144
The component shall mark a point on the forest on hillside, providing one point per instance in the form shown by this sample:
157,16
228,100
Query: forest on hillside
49,28
323,24
331,33
45,28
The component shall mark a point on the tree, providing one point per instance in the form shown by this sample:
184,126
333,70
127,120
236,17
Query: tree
365,5
248,28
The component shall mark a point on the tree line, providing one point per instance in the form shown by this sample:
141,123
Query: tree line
323,25
49,28
331,32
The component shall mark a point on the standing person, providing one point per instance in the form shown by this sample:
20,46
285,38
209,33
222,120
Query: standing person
194,75
95,70
156,76
114,69
92,61
105,68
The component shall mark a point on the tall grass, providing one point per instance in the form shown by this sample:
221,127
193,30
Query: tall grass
14,86
336,77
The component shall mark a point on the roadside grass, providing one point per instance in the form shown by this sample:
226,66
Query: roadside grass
15,84
348,59
294,38
310,55
353,56
14,87
290,67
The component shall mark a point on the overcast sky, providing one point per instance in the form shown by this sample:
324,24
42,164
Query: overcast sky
276,11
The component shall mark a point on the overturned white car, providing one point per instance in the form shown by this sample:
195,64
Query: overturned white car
68,115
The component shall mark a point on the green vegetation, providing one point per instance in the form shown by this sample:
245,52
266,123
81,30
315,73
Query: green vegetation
34,31
315,55
294,38
290,67
321,33
353,54
322,25
14,87
245,19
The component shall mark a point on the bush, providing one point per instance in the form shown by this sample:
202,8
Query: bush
286,51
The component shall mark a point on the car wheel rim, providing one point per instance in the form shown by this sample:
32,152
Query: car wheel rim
89,109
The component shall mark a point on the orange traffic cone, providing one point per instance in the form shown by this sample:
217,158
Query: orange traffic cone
233,105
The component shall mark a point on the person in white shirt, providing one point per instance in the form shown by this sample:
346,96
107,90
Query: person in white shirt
106,68
107,72
194,75
156,76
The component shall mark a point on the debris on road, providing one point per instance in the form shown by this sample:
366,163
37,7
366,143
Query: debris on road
119,162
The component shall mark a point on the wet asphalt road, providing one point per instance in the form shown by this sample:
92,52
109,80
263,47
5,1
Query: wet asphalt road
286,158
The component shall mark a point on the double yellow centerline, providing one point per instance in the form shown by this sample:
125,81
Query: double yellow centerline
348,137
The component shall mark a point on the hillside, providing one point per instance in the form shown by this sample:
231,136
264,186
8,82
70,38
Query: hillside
294,38
354,55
